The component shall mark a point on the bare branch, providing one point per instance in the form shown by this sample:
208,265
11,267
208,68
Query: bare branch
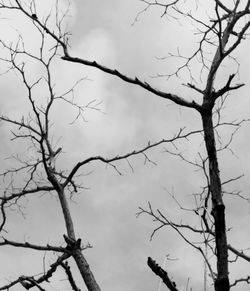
162,274
239,253
32,246
246,280
30,282
72,282
109,161
227,87
176,99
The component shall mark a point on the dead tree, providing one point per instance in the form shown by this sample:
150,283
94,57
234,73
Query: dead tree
224,31
39,169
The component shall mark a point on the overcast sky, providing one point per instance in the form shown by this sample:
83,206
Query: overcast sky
105,213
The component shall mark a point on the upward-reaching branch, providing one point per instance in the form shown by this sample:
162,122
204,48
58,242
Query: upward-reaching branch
162,274
225,33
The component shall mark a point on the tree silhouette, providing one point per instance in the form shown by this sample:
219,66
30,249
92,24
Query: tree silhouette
222,32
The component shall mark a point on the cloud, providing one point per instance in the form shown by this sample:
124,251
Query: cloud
105,214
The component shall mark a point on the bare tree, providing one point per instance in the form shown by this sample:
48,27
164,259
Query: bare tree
221,32
39,169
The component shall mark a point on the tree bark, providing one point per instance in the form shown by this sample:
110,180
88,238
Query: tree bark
85,271
80,260
218,207
162,274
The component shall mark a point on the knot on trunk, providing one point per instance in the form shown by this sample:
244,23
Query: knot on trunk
72,244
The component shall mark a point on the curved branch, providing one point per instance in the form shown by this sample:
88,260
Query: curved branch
127,155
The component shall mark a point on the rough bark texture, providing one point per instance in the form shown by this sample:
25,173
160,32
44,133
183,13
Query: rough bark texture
67,216
85,271
80,260
218,207
162,274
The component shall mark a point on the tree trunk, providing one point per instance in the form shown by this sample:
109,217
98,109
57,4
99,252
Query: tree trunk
218,207
80,260
85,271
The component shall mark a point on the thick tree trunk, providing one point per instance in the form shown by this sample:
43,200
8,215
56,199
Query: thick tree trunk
218,207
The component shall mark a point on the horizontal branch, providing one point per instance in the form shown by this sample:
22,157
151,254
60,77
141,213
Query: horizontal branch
20,124
28,191
159,217
244,280
32,246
